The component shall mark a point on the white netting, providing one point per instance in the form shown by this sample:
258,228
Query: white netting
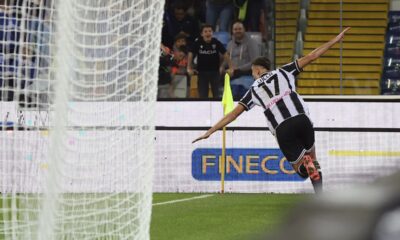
78,88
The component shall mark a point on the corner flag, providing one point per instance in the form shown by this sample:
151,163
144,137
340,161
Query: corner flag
227,99
227,104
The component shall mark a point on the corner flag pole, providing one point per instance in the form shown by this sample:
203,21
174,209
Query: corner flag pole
227,104
223,160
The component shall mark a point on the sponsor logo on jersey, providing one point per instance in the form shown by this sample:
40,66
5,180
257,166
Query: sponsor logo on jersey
207,52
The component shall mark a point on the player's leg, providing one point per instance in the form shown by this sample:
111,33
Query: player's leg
308,166
317,180
313,169
296,140
310,163
291,145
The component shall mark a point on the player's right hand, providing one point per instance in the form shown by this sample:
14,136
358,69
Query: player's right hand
205,136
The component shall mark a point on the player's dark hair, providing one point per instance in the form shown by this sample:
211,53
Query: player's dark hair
205,26
262,62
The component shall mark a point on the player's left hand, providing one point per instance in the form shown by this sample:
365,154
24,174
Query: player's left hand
339,37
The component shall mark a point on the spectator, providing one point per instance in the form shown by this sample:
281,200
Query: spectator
209,52
165,86
256,13
197,9
39,37
179,22
242,50
253,14
180,61
179,41
9,37
222,10
179,72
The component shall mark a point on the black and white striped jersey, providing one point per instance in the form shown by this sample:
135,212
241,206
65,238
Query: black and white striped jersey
275,91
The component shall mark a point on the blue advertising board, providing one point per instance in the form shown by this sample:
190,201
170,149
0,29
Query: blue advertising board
242,164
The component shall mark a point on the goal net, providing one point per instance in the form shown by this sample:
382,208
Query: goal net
77,88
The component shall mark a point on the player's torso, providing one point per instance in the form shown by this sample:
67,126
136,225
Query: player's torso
275,92
272,87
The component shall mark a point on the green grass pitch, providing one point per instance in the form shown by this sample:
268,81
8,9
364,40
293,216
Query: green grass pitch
191,216
222,217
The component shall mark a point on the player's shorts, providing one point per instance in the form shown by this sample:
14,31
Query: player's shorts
295,137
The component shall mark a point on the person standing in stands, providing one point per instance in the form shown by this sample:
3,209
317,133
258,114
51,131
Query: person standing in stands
242,50
209,52
179,22
222,10
179,41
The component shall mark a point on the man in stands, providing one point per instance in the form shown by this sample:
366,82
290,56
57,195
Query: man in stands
242,50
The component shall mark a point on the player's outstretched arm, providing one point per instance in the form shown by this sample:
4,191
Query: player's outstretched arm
316,53
228,118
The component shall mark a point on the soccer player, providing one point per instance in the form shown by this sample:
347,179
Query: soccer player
287,114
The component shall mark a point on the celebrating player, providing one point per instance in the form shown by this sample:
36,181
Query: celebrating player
287,114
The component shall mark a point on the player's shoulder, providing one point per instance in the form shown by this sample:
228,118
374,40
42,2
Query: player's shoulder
290,67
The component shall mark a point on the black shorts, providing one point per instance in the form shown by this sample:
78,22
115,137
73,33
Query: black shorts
295,137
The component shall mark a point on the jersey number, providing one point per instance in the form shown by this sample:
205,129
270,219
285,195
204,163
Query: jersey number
276,85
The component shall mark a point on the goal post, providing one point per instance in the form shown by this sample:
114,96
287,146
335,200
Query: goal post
78,90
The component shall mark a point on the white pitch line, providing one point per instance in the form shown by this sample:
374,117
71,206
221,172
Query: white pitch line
183,200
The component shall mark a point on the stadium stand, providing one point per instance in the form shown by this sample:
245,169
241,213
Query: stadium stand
286,14
362,48
257,37
391,70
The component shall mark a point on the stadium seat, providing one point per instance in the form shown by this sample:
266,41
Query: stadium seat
257,37
361,58
390,86
286,16
223,37
390,83
391,72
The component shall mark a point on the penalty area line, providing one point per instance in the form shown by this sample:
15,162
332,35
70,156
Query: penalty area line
183,200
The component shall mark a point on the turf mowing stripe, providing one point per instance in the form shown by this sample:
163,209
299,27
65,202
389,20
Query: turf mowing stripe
183,200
